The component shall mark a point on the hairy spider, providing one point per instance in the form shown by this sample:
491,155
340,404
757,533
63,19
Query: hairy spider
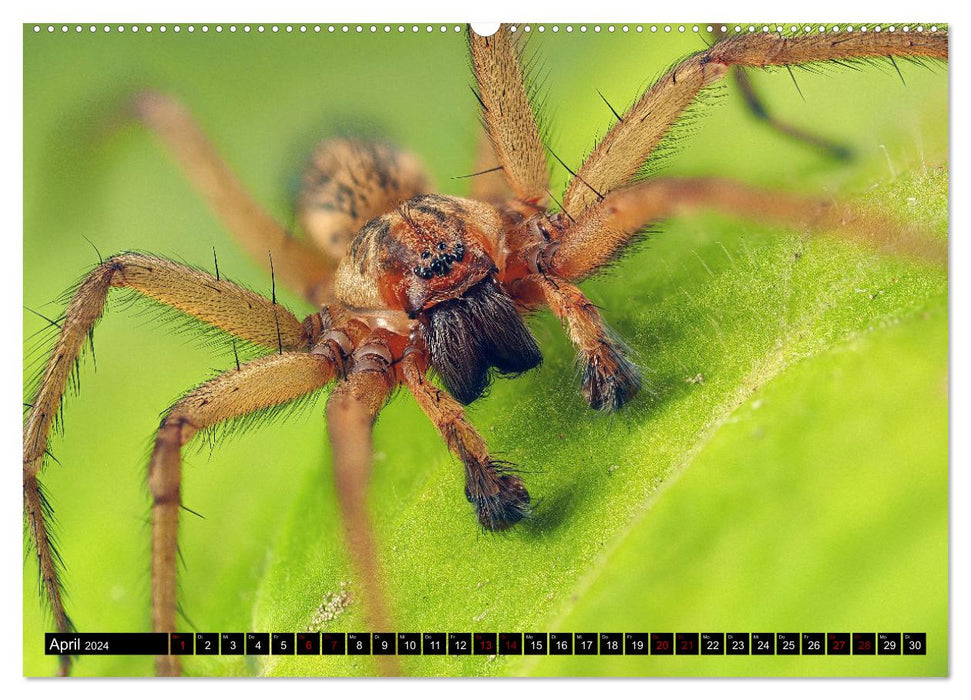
409,282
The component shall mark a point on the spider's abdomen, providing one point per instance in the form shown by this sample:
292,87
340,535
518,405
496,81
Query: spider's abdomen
349,181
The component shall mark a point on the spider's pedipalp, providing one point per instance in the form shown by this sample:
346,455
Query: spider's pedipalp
609,380
302,267
499,496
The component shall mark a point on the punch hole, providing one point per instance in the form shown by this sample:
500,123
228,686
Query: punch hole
485,28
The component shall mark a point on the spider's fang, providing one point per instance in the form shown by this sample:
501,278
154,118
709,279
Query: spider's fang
468,335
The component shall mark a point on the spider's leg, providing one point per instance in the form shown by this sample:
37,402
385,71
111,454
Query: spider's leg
758,109
220,303
616,159
299,264
609,379
508,116
607,227
262,383
348,182
499,496
352,408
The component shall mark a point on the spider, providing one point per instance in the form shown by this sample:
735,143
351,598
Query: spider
409,282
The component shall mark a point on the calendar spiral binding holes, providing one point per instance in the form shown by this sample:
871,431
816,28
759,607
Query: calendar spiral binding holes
310,29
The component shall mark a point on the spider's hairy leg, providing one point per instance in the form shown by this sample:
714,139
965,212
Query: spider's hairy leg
348,182
609,379
262,383
607,227
626,147
352,409
218,302
508,115
300,265
499,497
757,108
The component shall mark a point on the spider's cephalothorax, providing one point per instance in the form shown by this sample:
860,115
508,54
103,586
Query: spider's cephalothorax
430,267
406,281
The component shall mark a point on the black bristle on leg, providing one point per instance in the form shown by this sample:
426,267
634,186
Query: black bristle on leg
500,497
609,379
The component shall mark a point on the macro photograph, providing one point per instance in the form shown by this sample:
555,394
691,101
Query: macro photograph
572,328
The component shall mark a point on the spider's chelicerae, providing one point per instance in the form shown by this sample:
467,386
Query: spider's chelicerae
410,283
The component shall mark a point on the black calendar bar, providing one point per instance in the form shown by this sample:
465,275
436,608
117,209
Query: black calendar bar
641,644
104,644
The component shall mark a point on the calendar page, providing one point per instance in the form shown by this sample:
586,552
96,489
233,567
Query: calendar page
524,350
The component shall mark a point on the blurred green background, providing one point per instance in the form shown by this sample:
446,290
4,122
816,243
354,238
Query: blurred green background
800,485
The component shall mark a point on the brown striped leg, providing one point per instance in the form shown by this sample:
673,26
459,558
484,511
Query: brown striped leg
263,383
217,302
499,497
757,108
37,513
299,264
351,411
623,151
508,115
609,225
